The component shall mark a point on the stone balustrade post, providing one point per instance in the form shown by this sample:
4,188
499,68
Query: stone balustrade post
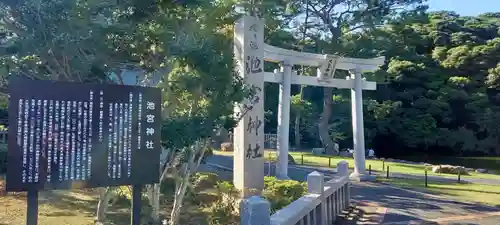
255,211
316,185
343,168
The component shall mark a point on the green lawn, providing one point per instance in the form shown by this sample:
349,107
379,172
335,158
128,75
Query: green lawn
376,165
478,193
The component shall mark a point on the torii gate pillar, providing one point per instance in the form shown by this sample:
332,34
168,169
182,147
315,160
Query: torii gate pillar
284,120
358,127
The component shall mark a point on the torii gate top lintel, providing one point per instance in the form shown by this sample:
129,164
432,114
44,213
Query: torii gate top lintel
326,64
275,54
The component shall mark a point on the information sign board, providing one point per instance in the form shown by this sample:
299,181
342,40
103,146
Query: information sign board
70,135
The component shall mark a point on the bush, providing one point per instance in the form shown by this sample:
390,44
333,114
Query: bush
223,211
121,195
199,183
281,193
203,181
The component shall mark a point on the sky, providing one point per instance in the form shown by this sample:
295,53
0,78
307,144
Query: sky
465,7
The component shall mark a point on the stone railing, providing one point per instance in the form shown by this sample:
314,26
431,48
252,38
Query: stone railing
320,206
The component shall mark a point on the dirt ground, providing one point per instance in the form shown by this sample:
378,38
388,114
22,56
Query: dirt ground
78,207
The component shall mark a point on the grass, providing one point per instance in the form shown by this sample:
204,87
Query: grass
477,193
484,194
56,208
78,207
323,161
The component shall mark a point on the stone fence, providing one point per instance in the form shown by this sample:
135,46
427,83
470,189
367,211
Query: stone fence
320,206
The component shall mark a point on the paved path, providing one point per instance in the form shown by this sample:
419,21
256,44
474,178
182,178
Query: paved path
391,205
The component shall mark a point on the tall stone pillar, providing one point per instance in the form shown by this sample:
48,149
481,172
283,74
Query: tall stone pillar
284,120
249,133
358,128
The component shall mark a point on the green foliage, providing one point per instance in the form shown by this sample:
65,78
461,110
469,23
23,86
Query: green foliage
300,106
441,81
202,181
439,90
121,195
222,211
281,193
57,40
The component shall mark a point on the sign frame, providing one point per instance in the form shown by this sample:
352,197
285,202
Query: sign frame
141,144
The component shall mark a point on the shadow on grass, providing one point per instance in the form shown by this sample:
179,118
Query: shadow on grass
70,201
412,166
59,213
458,186
73,203
465,189
446,191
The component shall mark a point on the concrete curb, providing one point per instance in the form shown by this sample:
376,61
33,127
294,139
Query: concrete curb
220,167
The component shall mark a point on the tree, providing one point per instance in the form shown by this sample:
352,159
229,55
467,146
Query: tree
330,21
302,110
184,43
440,83
53,40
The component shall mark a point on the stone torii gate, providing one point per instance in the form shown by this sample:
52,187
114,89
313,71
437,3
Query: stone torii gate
251,52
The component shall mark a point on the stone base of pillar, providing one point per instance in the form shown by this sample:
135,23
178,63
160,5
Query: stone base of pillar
237,200
362,177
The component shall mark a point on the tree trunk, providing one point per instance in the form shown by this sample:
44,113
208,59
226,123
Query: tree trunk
297,131
323,125
297,119
184,175
102,205
154,200
179,198
153,191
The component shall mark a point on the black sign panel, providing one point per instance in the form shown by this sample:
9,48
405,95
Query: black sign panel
69,135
